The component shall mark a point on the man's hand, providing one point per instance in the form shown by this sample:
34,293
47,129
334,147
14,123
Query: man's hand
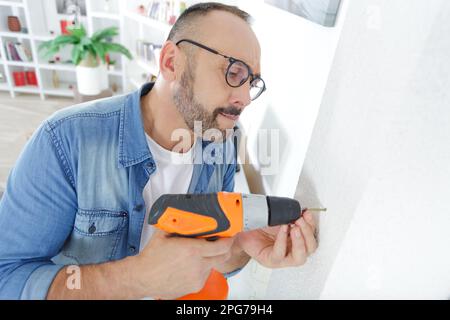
238,259
171,267
279,247
167,268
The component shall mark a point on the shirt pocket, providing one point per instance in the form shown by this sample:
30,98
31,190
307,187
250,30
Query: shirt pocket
96,236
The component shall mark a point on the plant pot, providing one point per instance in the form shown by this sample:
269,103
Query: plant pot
104,76
92,77
14,24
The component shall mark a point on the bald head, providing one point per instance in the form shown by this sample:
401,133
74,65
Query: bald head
222,27
231,36
188,22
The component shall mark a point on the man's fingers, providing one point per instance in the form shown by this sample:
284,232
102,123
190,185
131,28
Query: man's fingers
201,247
279,247
310,220
298,251
308,235
214,248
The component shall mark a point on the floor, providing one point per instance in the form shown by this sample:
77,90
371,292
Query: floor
19,117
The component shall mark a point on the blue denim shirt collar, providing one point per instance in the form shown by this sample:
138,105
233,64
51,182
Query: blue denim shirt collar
133,148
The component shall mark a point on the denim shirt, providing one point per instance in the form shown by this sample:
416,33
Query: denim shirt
75,196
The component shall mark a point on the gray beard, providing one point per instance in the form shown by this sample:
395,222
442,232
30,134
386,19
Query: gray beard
190,109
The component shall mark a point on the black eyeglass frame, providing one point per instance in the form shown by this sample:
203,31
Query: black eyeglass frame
231,60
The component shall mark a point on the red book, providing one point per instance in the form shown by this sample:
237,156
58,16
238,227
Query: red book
19,78
31,78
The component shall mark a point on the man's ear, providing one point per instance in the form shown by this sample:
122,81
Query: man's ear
169,61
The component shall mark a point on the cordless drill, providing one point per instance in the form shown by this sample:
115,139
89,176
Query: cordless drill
218,215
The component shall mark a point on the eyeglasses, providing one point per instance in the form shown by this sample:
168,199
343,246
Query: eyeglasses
238,72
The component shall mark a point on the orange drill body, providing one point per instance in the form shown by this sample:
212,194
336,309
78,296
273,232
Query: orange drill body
218,215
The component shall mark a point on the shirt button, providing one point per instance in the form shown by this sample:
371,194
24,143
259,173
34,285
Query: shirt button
132,249
92,229
138,207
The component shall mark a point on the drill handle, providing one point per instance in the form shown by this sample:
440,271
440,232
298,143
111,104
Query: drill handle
198,215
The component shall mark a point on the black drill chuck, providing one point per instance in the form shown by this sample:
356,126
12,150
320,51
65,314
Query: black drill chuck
283,210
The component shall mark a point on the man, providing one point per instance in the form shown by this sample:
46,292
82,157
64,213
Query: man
81,190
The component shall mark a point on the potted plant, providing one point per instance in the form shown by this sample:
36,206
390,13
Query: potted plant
88,55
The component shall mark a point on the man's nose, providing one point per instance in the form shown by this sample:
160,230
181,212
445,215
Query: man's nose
240,96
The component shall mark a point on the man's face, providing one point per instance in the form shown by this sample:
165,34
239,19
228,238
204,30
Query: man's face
202,93
191,109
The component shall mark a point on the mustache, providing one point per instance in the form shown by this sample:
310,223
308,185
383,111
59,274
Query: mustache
228,110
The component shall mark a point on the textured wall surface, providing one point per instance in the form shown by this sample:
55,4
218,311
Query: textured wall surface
296,60
379,159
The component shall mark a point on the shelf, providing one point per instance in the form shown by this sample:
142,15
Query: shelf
97,16
12,4
60,67
71,68
20,35
4,87
150,22
27,89
65,16
59,92
105,15
20,64
44,37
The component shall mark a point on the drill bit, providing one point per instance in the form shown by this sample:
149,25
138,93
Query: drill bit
316,209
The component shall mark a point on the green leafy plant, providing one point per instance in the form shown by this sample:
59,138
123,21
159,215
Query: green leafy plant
90,49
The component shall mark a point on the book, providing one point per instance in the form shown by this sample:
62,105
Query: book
22,52
153,10
7,57
12,53
28,53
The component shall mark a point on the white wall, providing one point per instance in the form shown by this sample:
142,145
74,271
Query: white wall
296,60
296,57
379,159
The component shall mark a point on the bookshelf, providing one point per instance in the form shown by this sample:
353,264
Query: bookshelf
147,30
41,16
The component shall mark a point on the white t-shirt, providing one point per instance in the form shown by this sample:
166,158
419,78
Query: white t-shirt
173,175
